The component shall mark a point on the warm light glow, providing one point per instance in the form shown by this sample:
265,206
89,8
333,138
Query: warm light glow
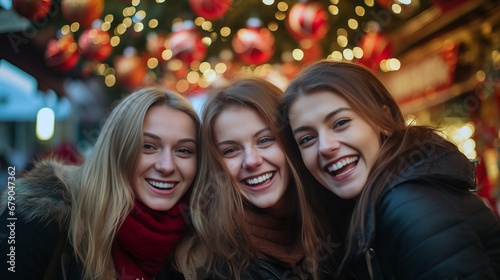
153,23
280,15
129,11
369,3
108,18
75,26
210,75
167,54
358,52
336,56
334,2
360,11
110,80
273,26
341,32
282,6
140,15
136,2
207,26
160,1
45,123
203,83
138,27
298,54
353,24
204,67
115,41
127,22
100,69
174,65
220,68
192,77
396,8
334,10
105,26
182,86
152,62
348,54
342,41
480,76
225,31
268,2
207,41
65,29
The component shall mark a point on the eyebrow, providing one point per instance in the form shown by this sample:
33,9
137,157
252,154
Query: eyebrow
326,118
260,131
156,137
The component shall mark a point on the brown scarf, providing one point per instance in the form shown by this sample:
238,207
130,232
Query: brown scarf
277,233
146,239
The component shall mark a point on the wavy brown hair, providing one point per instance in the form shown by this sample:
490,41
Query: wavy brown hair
217,207
369,98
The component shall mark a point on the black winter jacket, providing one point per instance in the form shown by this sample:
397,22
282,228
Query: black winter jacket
42,207
430,224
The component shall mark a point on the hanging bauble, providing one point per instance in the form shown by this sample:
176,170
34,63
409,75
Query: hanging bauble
82,11
130,69
307,20
185,43
253,44
376,47
62,53
210,9
95,44
32,9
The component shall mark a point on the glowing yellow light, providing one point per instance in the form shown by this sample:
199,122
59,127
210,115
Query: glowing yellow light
152,62
127,22
394,64
135,2
182,85
192,77
358,52
65,29
334,10
160,1
210,75
342,41
225,31
298,54
396,8
369,3
174,65
268,2
336,56
115,41
282,6
100,69
204,67
341,32
280,15
110,80
153,23
203,83
207,41
199,21
335,2
353,24
45,123
75,26
273,26
220,68
207,26
360,11
167,54
140,15
109,18
347,53
105,26
138,27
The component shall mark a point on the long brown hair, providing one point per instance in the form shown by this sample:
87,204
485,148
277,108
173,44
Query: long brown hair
217,208
369,98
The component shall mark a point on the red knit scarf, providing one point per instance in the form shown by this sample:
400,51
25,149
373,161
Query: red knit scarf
145,240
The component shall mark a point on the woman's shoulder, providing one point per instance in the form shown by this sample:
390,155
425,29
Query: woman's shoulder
41,193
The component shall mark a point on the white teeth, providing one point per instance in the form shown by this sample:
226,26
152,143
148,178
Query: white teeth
342,163
259,179
161,185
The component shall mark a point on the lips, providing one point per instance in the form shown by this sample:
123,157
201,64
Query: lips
160,185
342,166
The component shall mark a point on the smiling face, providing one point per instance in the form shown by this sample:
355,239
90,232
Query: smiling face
252,155
338,146
167,164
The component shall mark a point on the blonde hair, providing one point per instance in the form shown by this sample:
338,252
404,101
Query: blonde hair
102,196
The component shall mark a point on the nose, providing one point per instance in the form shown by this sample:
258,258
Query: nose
328,144
165,163
252,158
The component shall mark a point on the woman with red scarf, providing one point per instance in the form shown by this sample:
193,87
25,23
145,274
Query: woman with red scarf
121,213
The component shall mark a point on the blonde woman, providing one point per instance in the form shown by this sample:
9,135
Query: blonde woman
120,214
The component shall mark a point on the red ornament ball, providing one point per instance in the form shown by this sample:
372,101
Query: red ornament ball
82,11
210,9
186,44
62,53
95,44
307,20
130,70
376,47
32,9
253,44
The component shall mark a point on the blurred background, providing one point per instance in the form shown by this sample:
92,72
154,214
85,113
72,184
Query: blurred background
64,63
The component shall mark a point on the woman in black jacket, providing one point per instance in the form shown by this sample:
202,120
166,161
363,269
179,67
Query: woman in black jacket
417,215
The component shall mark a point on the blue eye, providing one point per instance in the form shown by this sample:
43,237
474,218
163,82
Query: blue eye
265,140
305,139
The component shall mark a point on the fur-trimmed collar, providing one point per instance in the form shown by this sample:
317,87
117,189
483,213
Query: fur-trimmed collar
40,193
